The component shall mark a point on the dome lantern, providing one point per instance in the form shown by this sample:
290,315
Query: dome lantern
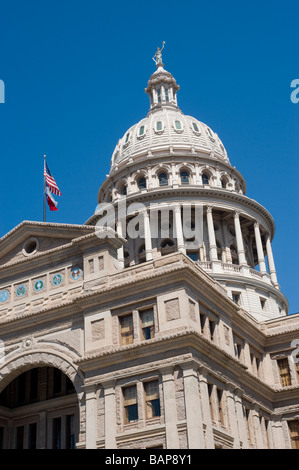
162,87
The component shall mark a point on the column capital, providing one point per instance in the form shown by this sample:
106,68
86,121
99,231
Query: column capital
236,214
177,208
209,208
106,384
256,224
166,371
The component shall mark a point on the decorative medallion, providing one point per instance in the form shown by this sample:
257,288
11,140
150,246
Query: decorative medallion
57,279
39,285
21,290
4,295
76,273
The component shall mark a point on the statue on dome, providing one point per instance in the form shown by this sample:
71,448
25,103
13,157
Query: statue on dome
158,56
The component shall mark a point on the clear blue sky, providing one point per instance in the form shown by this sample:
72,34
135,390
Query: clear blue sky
75,74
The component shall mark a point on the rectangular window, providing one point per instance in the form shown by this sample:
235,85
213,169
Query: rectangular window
20,437
147,324
202,318
130,404
263,303
284,372
152,399
1,437
32,435
159,95
238,348
70,433
294,433
56,433
126,329
212,326
236,297
166,95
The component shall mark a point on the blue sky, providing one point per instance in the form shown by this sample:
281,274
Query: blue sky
75,74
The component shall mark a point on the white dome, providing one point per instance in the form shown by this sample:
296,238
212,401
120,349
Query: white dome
167,129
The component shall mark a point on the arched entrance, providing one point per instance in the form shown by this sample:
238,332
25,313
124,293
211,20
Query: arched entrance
39,410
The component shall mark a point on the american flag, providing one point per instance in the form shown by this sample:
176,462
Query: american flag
51,183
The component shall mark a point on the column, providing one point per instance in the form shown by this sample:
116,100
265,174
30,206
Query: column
241,419
41,442
120,251
257,428
170,410
179,229
91,417
239,239
211,233
206,415
110,414
259,247
193,407
277,433
147,237
232,415
271,264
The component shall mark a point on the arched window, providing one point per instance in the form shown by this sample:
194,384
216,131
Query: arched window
142,183
123,190
205,178
163,179
159,95
127,138
159,126
223,183
167,246
178,125
185,179
195,127
166,95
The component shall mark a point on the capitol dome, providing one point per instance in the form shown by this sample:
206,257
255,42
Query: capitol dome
166,128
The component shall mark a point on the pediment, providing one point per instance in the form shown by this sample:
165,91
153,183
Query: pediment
28,239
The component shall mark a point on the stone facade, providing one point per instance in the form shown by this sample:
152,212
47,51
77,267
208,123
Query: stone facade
119,343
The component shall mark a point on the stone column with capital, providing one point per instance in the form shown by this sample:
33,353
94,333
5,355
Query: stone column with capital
241,419
110,414
232,414
216,264
170,409
239,239
147,237
179,229
120,251
91,417
259,247
259,443
271,264
195,431
206,415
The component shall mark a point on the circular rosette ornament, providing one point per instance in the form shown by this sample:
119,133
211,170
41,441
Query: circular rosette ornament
21,290
57,279
38,285
76,274
4,295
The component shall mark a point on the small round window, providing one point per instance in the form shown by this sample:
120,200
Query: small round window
30,246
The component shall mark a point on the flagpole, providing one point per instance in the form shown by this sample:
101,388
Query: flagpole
44,190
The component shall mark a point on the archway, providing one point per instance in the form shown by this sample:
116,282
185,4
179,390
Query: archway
39,410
